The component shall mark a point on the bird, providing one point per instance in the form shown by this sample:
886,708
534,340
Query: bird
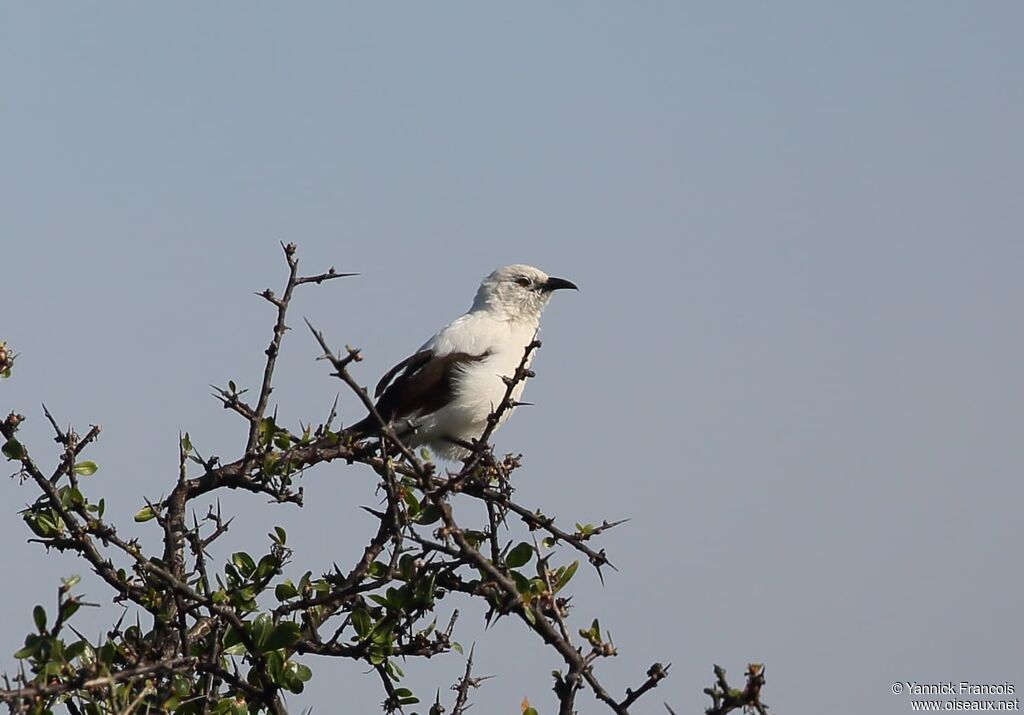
442,395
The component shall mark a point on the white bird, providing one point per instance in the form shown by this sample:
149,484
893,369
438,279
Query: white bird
449,387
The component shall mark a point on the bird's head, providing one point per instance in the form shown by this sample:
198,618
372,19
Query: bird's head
518,291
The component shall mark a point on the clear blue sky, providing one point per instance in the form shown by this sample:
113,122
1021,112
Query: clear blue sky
795,362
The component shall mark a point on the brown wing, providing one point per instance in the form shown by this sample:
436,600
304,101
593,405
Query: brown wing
425,386
419,385
413,362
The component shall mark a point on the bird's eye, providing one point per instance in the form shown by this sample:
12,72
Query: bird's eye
523,281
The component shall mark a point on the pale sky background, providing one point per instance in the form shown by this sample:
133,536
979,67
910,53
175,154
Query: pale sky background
795,361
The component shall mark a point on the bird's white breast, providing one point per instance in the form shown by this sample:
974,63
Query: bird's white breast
479,388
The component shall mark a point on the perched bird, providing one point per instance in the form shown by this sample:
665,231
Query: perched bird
450,386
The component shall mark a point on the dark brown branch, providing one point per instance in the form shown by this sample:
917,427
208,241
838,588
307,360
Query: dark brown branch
465,683
274,349
655,674
97,682
341,371
725,699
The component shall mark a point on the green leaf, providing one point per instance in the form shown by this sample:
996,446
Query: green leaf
260,629
361,622
520,555
284,634
285,590
412,505
378,655
394,671
231,706
475,538
266,567
281,535
294,676
522,583
232,637
593,634
266,430
68,609
181,686
428,515
32,644
275,666
381,634
245,599
144,514
407,567
405,696
12,449
86,468
50,523
302,672
244,563
71,498
39,616
233,642
75,649
564,575
38,526
401,597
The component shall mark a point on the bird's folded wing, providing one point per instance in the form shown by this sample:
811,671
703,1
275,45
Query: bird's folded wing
413,362
426,384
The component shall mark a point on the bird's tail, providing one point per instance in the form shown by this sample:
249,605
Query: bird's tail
369,427
366,427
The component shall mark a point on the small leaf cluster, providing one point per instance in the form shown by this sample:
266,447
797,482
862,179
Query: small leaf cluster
6,360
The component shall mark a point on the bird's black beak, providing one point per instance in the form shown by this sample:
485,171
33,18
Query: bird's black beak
558,284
